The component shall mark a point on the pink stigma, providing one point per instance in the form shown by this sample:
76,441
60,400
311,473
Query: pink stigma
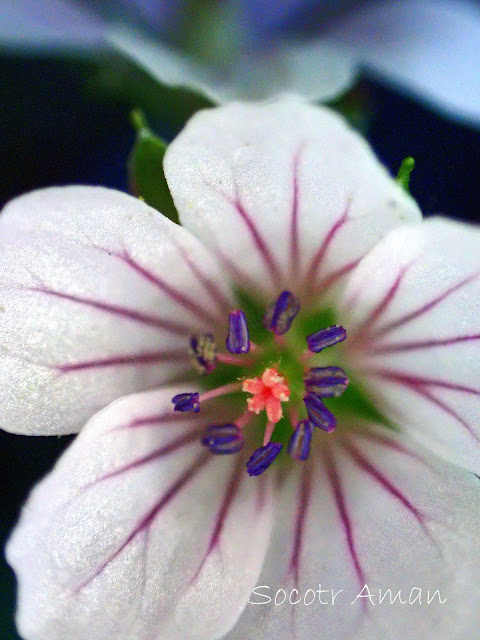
268,392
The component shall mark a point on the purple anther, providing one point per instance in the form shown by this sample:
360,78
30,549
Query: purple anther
186,402
299,445
223,439
238,339
203,352
281,314
326,338
262,458
318,414
326,382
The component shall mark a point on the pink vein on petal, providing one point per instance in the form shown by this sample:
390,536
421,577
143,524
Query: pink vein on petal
380,309
213,289
330,279
238,275
260,243
153,419
255,234
230,493
362,462
173,293
118,310
398,347
339,496
418,381
294,240
329,237
304,497
156,454
124,360
413,315
420,386
262,494
150,516
386,441
428,395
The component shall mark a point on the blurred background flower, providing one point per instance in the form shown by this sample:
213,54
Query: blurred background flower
251,48
412,70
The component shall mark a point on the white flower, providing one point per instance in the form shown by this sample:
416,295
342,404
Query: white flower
141,531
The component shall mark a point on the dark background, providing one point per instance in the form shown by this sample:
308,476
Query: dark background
57,128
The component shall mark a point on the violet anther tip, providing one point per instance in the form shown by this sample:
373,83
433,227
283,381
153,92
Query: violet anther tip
223,439
326,382
325,338
299,444
318,414
281,314
186,402
262,458
238,339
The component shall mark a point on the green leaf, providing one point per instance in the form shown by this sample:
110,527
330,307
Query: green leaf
355,106
125,81
403,175
145,169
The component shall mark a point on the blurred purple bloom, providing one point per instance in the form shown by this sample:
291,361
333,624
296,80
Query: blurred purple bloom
48,25
430,48
280,17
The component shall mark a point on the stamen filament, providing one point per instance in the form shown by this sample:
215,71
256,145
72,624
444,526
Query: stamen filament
244,419
221,391
237,361
293,414
268,432
280,340
306,356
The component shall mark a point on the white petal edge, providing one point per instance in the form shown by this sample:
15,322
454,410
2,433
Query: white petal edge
318,71
99,296
283,192
430,48
413,316
166,64
90,563
394,550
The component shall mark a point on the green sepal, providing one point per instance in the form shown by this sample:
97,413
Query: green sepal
404,173
145,169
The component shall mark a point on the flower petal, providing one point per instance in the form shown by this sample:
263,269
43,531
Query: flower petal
167,65
282,189
380,513
319,70
99,295
430,47
412,313
49,25
138,530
